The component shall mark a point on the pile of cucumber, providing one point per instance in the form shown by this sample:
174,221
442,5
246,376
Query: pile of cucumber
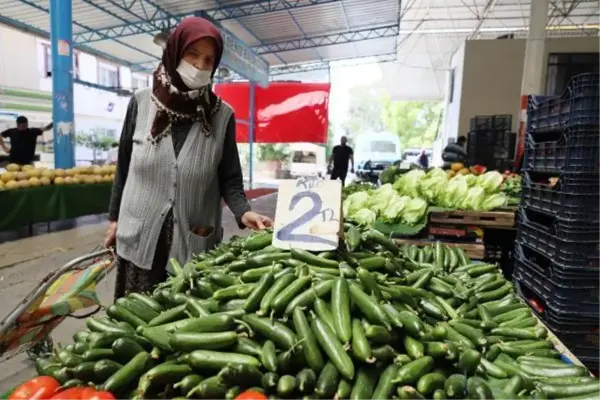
369,321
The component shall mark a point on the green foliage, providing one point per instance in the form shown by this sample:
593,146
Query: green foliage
272,152
94,142
415,122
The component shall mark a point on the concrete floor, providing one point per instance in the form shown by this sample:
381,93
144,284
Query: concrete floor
25,263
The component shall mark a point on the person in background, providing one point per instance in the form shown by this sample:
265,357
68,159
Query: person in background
23,141
423,159
455,152
113,154
178,160
341,156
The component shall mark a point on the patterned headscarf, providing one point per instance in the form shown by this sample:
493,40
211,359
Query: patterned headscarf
174,100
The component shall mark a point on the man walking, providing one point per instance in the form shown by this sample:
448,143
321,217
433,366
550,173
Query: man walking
23,140
341,155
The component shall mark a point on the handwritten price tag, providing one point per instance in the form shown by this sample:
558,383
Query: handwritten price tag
308,214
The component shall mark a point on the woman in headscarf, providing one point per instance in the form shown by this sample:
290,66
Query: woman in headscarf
177,159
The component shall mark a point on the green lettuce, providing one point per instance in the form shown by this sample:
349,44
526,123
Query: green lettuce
364,217
408,183
355,202
474,199
381,198
393,213
490,181
414,211
494,201
455,192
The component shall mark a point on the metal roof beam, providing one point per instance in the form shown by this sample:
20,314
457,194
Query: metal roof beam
41,33
80,25
323,65
164,21
326,40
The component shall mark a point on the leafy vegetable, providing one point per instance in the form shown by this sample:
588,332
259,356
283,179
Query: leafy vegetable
494,201
381,198
355,202
364,217
414,210
490,181
408,184
474,199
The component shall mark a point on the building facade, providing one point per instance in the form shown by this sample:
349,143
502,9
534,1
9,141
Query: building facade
26,86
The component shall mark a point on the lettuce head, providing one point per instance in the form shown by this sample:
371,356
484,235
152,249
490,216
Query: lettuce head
414,211
474,199
408,183
355,202
494,201
490,181
364,217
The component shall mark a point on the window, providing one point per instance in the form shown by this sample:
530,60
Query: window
108,75
564,66
139,81
48,61
380,146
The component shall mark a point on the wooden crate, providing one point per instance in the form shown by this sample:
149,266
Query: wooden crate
495,219
475,251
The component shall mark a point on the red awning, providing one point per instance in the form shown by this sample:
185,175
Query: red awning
285,112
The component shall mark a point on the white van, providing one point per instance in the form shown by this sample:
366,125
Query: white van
374,152
307,160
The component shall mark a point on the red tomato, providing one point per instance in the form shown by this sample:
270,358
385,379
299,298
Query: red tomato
40,388
251,395
69,394
92,394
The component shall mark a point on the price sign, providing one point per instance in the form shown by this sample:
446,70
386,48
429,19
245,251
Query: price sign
308,214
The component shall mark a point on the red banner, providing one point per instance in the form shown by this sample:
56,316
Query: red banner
285,112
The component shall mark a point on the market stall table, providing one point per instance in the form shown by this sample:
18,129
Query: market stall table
25,207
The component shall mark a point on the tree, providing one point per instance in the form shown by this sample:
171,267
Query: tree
415,122
364,113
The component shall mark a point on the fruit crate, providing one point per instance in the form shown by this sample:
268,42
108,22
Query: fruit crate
575,245
571,294
491,122
575,150
574,197
577,332
578,105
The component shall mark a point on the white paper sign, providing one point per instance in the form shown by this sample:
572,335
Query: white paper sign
308,214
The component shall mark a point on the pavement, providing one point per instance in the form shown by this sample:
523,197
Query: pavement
26,262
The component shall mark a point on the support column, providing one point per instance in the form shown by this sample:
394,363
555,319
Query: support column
535,49
61,35
533,67
251,136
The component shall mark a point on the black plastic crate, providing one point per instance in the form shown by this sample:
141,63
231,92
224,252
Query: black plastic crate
577,106
574,150
491,122
570,296
491,148
580,232
574,197
567,275
577,332
569,245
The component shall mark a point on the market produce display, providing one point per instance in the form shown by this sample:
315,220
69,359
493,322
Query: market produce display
369,321
18,177
406,201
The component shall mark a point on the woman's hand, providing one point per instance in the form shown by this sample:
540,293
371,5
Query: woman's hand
256,221
111,234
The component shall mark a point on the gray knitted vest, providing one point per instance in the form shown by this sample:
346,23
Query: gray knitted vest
158,181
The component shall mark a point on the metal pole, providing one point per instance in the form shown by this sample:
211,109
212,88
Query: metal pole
61,35
251,136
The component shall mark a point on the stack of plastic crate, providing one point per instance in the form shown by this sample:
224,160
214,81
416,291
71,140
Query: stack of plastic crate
558,245
490,141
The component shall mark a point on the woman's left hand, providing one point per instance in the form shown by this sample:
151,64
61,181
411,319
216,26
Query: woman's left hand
256,221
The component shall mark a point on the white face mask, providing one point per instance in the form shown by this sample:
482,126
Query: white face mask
192,76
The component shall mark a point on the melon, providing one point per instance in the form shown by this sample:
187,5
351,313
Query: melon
22,176
70,172
8,176
33,172
27,167
10,185
35,182
69,180
47,173
45,181
23,184
13,167
77,180
59,172
59,180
